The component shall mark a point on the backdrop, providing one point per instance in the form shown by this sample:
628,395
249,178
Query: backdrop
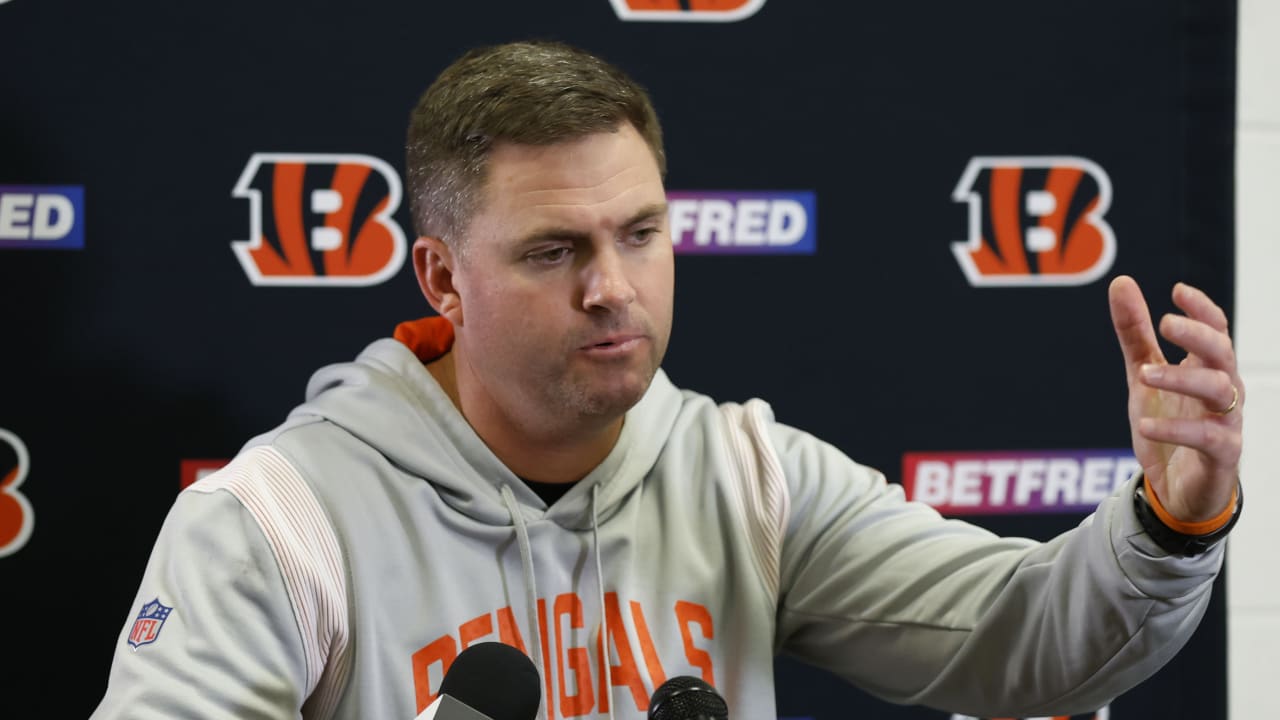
896,223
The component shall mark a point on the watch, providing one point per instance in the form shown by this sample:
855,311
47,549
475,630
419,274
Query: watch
1171,540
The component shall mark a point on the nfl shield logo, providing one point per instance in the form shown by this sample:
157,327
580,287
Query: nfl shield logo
147,627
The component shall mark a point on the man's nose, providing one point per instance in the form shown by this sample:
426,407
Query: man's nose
607,285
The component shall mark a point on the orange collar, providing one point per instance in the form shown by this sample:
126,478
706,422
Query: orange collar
428,337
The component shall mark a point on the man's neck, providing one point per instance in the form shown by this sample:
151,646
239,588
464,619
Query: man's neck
551,457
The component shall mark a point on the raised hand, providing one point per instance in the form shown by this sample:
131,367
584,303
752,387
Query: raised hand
1185,419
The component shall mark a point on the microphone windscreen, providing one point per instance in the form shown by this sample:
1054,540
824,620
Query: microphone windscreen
687,698
495,679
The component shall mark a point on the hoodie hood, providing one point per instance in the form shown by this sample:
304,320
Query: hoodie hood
388,399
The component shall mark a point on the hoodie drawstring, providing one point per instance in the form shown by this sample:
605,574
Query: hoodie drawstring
530,590
604,620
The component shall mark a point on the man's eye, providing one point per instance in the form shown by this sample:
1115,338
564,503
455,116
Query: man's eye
641,237
549,257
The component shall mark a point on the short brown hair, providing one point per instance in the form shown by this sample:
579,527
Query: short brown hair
534,93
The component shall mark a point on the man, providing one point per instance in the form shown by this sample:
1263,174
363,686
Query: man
520,469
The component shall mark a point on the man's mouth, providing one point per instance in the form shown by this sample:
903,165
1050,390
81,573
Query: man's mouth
615,343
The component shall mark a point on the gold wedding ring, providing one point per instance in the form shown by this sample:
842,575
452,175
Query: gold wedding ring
1235,398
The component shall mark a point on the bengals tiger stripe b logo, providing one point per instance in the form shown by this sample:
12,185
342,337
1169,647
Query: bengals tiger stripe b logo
17,518
320,220
1035,221
686,10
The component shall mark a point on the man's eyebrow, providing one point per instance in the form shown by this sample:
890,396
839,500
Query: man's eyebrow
648,212
554,233
551,234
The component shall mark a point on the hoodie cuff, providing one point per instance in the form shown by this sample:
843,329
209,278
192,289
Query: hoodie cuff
1154,570
1181,538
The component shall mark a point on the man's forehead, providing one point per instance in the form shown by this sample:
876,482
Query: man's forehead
611,174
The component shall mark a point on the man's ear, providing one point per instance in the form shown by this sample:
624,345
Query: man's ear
433,265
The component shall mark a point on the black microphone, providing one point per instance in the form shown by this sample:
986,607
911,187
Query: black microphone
687,698
488,681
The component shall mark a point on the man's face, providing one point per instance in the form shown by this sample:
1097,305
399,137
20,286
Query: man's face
566,280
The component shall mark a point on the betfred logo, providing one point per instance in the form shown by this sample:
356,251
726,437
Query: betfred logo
326,220
686,10
1012,483
17,519
738,223
47,217
1035,221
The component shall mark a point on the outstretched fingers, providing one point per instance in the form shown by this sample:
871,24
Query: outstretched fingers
1195,303
1203,333
1217,389
1185,417
1210,346
1132,322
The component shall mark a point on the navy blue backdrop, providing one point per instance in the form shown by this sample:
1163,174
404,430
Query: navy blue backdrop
137,337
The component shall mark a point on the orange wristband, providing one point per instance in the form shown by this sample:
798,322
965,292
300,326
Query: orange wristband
1204,527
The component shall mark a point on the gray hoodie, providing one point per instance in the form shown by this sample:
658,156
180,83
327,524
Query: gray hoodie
340,562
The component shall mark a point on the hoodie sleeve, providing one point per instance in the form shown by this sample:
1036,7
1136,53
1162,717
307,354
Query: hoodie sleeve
917,609
242,608
229,646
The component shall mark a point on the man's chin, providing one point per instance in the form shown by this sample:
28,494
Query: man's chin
617,398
